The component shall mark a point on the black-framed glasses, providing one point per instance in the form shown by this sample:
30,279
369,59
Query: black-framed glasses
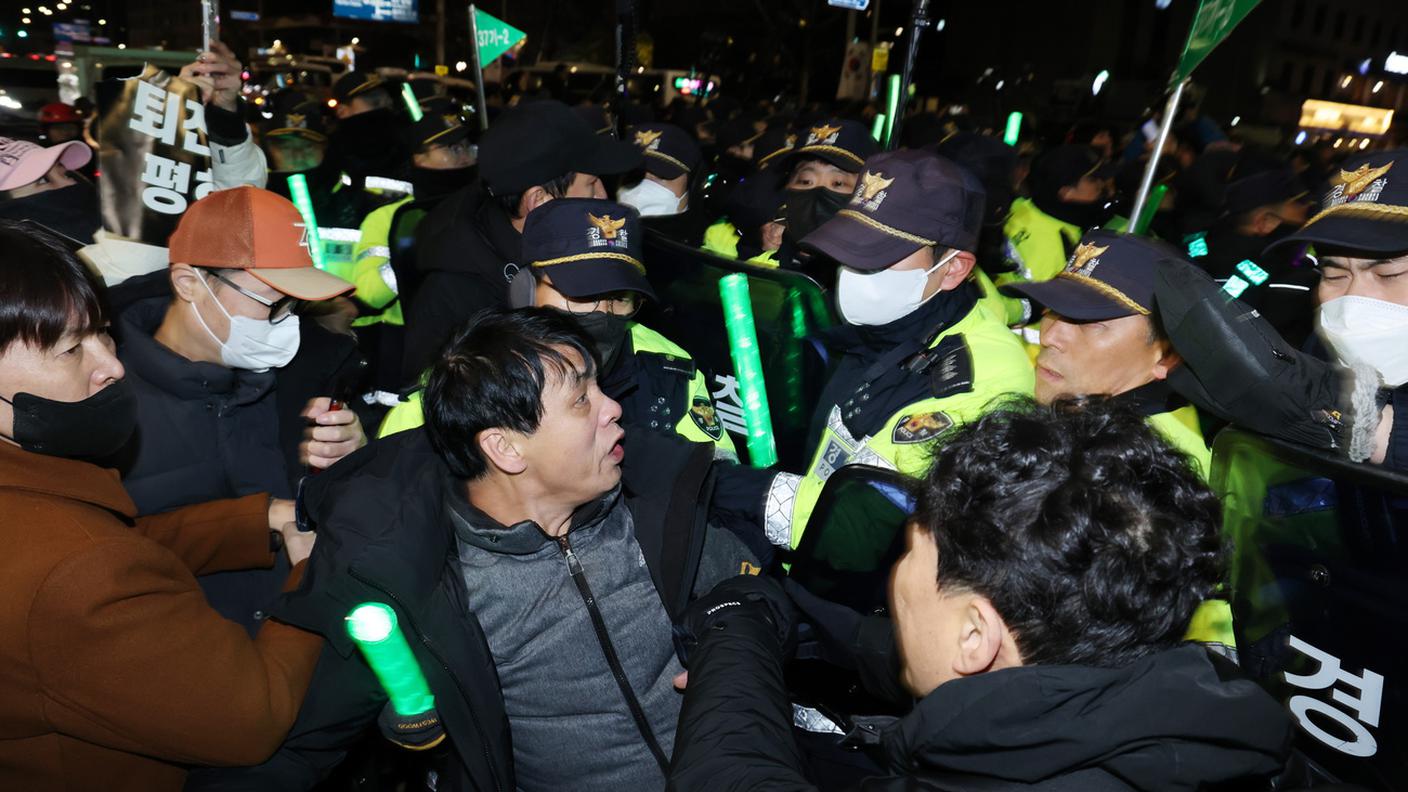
625,303
278,309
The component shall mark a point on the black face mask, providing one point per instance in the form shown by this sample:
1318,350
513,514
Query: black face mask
94,427
435,182
808,209
72,211
608,332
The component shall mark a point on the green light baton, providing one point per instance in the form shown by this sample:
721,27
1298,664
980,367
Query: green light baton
878,128
1014,128
892,107
748,367
298,188
1147,216
412,105
373,626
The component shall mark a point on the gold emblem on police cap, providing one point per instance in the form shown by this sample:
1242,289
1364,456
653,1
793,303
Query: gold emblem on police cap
647,137
822,133
872,183
1083,254
1357,180
608,226
296,120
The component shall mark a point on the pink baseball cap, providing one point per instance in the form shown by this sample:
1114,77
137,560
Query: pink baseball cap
22,162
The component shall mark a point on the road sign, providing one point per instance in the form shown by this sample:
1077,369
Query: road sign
495,36
1214,20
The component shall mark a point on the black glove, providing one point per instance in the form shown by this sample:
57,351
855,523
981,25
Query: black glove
1237,367
752,599
416,732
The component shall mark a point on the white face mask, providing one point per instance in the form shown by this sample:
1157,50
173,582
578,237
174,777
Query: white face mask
1368,331
650,198
254,344
878,298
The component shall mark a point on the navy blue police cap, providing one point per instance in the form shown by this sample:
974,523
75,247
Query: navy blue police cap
903,201
1109,275
843,143
585,246
669,151
1365,209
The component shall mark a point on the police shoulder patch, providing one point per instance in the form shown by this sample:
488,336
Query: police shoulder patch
920,427
952,369
702,412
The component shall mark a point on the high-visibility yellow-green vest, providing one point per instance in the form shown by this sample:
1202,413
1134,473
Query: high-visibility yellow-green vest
371,267
1036,243
1212,621
721,239
1000,366
693,419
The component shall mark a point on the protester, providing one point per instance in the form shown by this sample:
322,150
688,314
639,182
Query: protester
470,247
1038,612
919,352
119,675
544,570
584,259
223,404
39,184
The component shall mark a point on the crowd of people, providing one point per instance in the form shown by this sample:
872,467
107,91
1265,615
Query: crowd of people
212,450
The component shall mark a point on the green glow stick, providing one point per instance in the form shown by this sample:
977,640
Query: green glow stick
411,104
373,626
1014,128
878,128
1252,272
1156,197
1235,286
298,189
892,107
748,367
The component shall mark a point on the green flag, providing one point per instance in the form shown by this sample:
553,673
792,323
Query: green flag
1214,20
495,36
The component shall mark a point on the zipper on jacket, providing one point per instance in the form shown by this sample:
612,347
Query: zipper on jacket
574,566
483,744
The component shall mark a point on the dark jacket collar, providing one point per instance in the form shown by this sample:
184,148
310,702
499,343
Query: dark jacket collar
1151,399
474,527
1172,720
173,374
64,478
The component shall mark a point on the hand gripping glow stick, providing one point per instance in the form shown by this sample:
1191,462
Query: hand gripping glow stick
298,189
748,367
412,105
373,627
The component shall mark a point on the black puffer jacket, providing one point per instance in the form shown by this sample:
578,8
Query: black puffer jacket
1176,720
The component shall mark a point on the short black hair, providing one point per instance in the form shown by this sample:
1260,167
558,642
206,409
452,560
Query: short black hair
45,291
557,188
1093,537
491,374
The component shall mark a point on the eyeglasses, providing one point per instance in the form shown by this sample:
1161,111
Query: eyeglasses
278,309
621,303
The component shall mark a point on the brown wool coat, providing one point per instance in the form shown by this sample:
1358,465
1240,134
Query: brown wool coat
114,671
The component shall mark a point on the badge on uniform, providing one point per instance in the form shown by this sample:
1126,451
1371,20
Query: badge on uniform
920,427
702,411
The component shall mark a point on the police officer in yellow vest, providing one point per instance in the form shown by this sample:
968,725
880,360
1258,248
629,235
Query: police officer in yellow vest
919,352
1098,338
584,258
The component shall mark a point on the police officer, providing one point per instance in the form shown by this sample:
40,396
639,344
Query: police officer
1098,337
441,163
1070,194
665,195
821,172
584,258
751,229
918,352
